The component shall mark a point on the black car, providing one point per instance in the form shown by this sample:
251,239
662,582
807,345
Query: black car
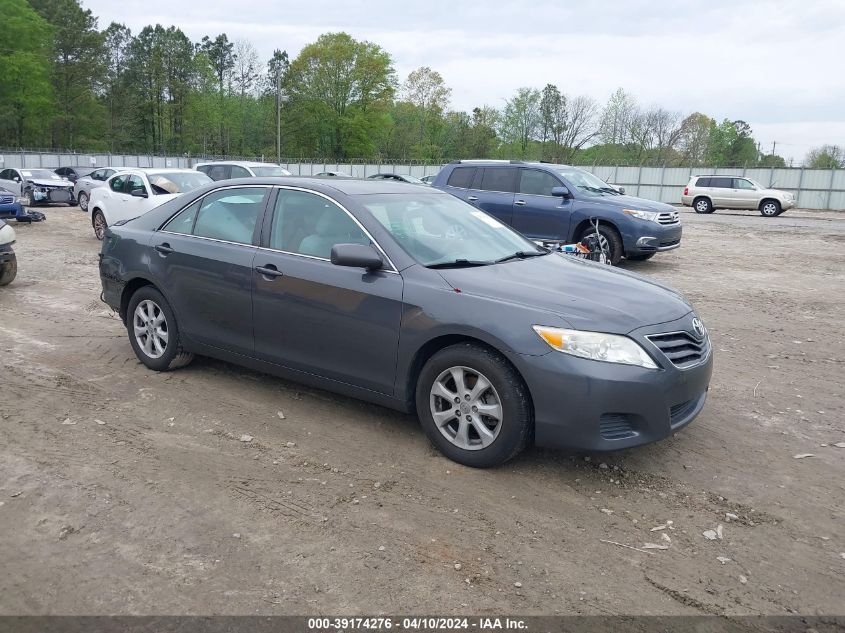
414,299
74,173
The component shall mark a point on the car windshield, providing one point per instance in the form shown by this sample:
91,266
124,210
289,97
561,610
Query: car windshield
177,181
438,229
272,170
42,174
586,182
755,183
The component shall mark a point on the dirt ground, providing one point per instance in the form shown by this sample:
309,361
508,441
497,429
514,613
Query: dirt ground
123,491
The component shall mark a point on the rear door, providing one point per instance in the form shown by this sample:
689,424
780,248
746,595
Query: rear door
536,212
493,191
203,260
721,188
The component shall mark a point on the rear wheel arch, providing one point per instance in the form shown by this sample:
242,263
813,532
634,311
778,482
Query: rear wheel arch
130,289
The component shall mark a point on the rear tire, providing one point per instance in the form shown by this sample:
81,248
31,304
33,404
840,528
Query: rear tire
98,221
153,331
770,208
82,200
492,420
702,205
8,273
611,239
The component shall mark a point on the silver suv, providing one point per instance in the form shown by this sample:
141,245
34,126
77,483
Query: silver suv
705,194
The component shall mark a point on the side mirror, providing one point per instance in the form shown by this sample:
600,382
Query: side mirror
561,192
138,193
17,178
356,256
620,189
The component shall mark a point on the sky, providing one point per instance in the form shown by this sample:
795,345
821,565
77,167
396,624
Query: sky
777,64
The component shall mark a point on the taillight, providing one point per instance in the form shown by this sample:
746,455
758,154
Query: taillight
686,191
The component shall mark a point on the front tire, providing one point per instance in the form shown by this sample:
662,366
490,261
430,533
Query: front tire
474,406
82,200
702,205
30,199
770,208
610,240
153,331
98,221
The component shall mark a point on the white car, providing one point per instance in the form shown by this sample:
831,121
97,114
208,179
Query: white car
224,170
133,192
97,178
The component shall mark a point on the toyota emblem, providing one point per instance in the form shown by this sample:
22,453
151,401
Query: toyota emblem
698,326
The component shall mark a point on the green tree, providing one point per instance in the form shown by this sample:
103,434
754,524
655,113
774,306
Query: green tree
731,144
116,89
25,89
694,138
521,120
340,90
220,54
429,94
826,157
77,70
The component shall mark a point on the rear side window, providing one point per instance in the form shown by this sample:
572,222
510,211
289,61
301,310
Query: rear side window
499,179
703,182
461,177
229,215
218,172
721,183
240,172
537,183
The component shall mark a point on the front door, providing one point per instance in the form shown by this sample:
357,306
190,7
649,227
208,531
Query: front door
203,260
536,212
333,321
745,194
493,192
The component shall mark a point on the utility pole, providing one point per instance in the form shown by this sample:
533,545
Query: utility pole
774,145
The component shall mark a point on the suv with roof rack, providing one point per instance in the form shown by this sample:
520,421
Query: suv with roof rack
705,194
554,203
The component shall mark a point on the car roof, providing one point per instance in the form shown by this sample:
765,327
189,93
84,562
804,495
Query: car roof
347,186
491,162
157,170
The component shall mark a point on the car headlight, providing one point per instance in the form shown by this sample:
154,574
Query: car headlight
610,348
642,215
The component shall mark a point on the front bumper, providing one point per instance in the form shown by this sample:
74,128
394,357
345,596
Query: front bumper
652,237
788,203
53,195
13,210
581,404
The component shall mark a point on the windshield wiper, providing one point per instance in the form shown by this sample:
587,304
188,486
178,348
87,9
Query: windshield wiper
520,255
458,263
611,190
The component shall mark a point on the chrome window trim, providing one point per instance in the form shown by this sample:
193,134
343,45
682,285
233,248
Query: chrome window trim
392,270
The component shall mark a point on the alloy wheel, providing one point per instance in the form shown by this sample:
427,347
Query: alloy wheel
701,206
770,209
150,327
466,408
99,225
83,201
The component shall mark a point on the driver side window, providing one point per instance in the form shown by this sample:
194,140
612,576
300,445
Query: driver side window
136,184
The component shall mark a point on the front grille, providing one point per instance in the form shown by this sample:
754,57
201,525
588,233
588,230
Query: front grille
681,348
615,426
670,217
679,412
7,199
670,243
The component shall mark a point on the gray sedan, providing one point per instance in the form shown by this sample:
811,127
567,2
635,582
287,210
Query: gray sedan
415,300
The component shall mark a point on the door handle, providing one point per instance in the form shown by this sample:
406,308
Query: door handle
472,198
519,203
269,271
164,249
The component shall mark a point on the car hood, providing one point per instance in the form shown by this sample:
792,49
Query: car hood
778,193
44,182
587,295
631,202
